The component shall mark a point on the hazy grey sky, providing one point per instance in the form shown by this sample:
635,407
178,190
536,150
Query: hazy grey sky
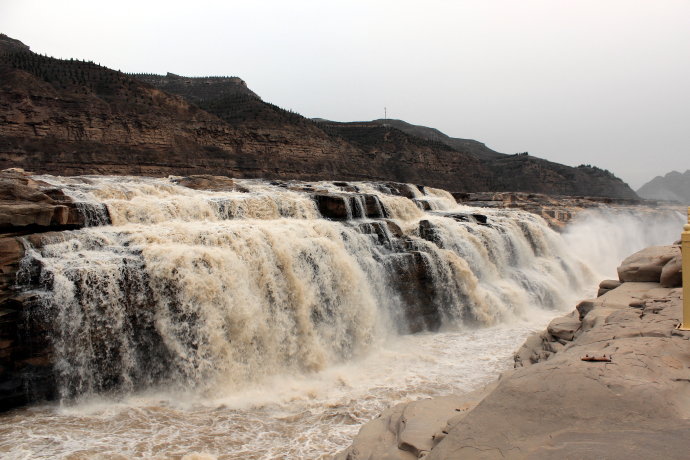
605,82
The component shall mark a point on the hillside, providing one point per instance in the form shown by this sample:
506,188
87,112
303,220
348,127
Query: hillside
519,172
533,174
71,117
466,145
674,186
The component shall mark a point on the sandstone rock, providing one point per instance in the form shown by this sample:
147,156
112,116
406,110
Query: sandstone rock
609,284
601,292
584,307
343,207
529,352
25,367
633,408
564,327
11,252
606,286
647,264
380,230
672,273
396,188
27,204
407,431
466,217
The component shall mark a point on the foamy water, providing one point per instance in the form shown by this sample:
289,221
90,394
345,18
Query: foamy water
287,416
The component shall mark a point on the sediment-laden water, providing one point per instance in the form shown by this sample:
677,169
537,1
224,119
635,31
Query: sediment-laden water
242,324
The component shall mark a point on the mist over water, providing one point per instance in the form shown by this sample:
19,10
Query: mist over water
240,324
604,237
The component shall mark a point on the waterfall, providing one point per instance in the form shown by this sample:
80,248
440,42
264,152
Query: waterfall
215,290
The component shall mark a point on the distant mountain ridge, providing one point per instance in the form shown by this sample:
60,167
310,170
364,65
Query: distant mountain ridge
71,117
674,186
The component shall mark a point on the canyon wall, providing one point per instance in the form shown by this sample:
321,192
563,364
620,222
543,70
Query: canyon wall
70,117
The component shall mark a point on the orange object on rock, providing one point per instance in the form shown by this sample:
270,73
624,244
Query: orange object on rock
598,359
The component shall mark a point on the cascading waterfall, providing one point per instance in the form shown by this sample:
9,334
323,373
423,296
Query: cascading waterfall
203,289
213,294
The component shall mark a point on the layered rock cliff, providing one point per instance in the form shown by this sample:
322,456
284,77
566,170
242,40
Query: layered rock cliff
518,172
73,117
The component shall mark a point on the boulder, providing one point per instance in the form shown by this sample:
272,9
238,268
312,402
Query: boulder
647,264
606,286
585,307
532,351
564,327
609,284
409,430
395,229
672,273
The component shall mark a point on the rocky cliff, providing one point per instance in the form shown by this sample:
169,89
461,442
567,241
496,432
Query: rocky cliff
73,117
674,186
518,172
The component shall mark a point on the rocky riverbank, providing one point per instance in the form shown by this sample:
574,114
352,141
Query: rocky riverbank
631,401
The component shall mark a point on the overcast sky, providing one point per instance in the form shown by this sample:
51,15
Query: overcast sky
605,82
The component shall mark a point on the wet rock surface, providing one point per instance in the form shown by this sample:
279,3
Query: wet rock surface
32,209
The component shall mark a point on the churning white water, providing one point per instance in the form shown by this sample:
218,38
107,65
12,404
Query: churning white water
241,324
